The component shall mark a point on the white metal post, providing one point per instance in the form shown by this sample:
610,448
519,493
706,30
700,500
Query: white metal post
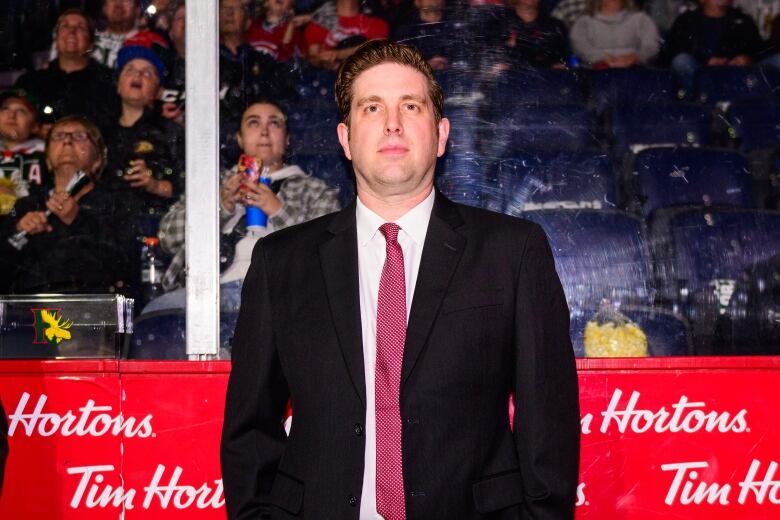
202,189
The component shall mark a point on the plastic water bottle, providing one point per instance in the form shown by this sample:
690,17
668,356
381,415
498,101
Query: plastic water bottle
152,269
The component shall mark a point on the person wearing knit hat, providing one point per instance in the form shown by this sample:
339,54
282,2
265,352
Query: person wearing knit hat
145,151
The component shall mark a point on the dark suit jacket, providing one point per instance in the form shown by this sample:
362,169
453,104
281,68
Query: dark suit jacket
488,318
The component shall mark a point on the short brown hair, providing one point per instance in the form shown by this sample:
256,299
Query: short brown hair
376,52
75,10
94,136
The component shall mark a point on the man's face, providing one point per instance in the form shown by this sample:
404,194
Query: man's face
263,133
120,12
232,17
73,36
392,139
138,82
278,7
71,150
178,26
17,121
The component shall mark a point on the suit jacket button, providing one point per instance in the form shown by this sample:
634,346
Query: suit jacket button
352,499
358,429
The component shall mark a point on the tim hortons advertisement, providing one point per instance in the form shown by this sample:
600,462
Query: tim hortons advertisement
96,439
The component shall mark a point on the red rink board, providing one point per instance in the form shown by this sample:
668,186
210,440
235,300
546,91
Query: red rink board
662,438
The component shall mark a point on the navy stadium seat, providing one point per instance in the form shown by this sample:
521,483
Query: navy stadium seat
557,180
673,177
331,167
313,129
653,124
710,253
536,87
546,127
316,87
159,335
754,124
467,127
470,179
598,254
618,87
718,84
668,333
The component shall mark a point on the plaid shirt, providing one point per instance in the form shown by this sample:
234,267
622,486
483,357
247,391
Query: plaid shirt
303,198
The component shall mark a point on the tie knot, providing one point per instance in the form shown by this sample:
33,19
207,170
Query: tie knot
390,231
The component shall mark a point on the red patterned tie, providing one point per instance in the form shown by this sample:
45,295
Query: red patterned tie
390,337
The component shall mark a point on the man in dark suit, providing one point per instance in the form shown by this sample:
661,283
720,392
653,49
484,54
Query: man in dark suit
399,328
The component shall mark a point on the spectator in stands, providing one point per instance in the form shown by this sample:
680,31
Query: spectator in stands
568,11
337,29
278,32
430,32
23,161
613,34
292,198
121,23
173,94
535,39
73,241
146,151
74,83
763,13
714,34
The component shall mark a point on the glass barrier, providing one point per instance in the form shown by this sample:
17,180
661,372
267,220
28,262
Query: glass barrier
65,326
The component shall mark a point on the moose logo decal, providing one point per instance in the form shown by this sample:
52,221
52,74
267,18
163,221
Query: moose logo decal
50,328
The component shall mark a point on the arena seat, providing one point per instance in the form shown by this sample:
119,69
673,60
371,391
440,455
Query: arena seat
557,180
598,254
333,168
159,335
619,87
709,253
672,177
467,129
719,84
754,124
545,127
316,87
632,127
536,87
313,129
668,333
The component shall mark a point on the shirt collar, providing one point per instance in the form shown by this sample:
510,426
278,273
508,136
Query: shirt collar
414,222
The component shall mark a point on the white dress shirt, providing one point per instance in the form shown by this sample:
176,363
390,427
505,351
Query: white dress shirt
371,259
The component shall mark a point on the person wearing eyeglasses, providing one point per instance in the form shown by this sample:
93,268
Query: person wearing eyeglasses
73,240
73,82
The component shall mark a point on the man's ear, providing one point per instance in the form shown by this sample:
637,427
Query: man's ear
343,131
444,133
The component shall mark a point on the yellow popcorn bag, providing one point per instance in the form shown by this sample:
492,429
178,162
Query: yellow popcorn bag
611,333
7,195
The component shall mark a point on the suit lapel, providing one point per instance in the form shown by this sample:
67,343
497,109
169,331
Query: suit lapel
441,252
339,259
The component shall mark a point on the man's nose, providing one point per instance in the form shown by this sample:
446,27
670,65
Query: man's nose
393,123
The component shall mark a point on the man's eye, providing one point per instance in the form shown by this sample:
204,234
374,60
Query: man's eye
411,107
372,108
251,123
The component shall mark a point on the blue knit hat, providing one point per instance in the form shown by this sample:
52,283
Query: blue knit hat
146,45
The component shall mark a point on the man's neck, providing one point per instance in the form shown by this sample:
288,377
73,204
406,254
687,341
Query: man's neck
527,13
714,11
121,28
180,48
130,115
232,42
392,208
71,63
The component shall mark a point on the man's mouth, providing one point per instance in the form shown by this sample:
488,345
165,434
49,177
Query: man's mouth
393,149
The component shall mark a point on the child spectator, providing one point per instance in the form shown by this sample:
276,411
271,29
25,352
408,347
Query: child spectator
278,31
430,32
613,34
337,29
535,39
23,163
